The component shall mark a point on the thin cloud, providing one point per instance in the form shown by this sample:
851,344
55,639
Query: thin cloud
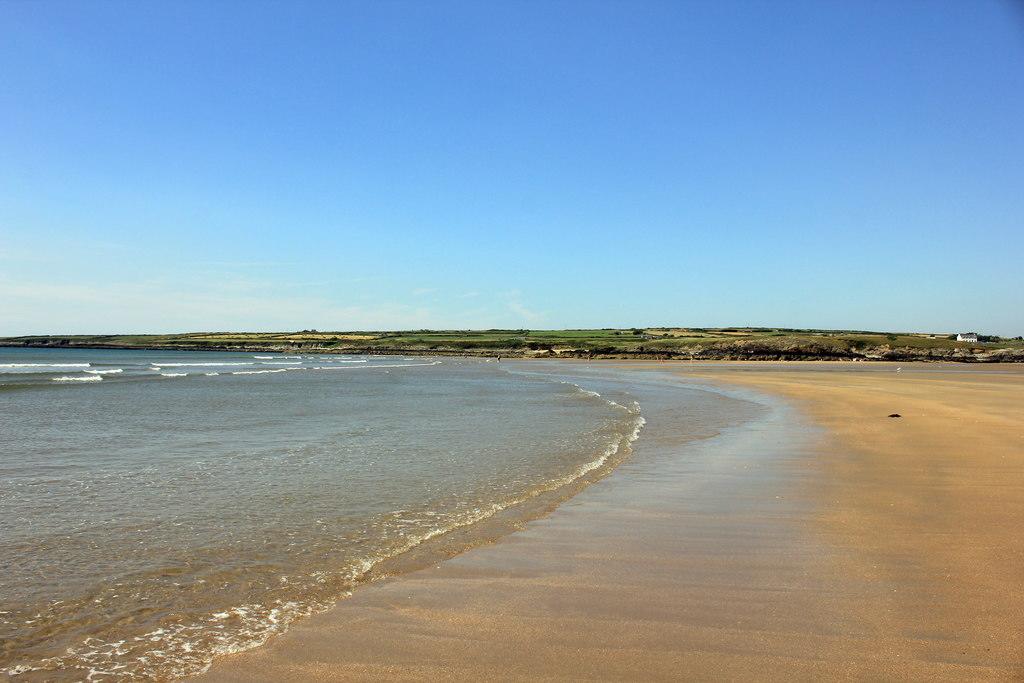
527,314
60,308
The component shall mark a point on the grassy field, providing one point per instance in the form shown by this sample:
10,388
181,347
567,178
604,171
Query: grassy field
662,342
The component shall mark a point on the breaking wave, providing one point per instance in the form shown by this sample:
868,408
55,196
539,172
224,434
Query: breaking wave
44,365
194,365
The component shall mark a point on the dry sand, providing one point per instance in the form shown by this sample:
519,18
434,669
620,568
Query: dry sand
875,548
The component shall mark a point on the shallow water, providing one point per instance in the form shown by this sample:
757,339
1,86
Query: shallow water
160,508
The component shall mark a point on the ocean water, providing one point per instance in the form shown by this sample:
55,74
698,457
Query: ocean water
159,508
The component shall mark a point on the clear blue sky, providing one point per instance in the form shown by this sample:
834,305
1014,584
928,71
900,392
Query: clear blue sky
227,165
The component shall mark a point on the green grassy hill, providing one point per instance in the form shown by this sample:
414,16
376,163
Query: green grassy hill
662,342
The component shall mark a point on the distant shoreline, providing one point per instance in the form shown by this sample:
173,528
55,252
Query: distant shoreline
733,352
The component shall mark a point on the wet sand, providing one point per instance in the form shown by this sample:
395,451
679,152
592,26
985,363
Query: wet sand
821,539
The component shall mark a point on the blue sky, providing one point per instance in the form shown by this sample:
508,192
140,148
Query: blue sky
227,166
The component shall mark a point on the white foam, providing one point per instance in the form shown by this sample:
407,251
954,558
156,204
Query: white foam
194,365
19,669
594,394
373,367
259,372
88,378
212,374
174,374
288,362
585,392
112,371
44,365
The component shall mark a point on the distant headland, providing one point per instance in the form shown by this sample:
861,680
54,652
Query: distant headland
659,343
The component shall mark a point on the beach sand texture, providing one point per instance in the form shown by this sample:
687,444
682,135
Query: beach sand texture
823,540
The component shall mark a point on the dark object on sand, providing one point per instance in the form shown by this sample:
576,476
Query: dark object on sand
895,415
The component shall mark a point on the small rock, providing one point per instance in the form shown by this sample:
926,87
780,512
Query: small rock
895,415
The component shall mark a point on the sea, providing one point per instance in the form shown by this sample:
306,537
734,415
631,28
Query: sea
161,508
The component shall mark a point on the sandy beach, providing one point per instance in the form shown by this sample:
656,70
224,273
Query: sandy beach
818,539
511,341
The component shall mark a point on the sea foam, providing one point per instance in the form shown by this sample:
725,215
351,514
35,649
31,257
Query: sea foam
193,365
44,365
381,365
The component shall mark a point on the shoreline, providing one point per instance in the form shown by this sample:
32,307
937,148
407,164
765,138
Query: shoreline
524,519
775,579
438,544
709,354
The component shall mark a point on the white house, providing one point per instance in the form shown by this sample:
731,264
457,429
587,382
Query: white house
967,336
